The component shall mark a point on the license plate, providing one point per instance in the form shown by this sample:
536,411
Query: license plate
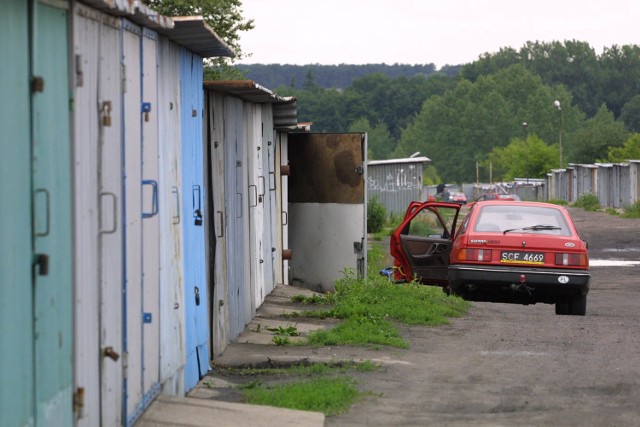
517,257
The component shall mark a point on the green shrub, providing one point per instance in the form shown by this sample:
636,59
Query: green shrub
632,211
588,202
376,215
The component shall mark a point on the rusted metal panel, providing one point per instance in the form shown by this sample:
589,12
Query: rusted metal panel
327,207
326,168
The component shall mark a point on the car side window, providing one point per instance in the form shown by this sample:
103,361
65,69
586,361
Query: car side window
465,223
426,224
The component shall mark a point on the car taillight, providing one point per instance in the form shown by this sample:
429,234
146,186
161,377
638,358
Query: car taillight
482,255
579,260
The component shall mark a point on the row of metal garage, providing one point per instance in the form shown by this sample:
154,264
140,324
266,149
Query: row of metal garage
146,214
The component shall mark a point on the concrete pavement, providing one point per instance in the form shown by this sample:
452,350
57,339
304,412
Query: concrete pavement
254,347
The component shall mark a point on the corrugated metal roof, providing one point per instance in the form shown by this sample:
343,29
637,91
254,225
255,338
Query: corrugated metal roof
247,90
285,113
191,32
407,160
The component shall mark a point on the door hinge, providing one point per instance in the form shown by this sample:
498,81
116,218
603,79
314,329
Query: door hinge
123,78
37,84
78,401
79,73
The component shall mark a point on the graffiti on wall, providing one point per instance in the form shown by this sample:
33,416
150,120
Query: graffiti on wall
403,179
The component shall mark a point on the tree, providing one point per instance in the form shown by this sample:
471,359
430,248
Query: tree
630,114
380,143
523,158
224,16
461,127
629,151
592,141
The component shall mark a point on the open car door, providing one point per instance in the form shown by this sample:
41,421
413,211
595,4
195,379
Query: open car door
422,243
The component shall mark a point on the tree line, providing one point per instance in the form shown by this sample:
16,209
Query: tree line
498,112
332,76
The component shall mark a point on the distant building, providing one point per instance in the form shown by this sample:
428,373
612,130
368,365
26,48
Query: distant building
395,182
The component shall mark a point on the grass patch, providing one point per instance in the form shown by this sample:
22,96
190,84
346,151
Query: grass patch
587,201
370,309
330,396
322,387
632,211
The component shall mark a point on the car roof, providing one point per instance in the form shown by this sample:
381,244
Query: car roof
520,203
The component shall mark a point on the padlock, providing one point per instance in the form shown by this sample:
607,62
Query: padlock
106,113
146,109
198,217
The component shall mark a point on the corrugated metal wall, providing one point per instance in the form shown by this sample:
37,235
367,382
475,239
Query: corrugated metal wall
395,185
217,222
52,198
17,388
614,184
193,203
87,26
172,287
111,237
98,248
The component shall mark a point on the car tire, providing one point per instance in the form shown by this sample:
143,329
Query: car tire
578,306
562,308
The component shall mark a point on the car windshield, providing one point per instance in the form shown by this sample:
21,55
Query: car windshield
521,219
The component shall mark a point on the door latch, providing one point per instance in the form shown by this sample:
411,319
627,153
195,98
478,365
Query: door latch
42,262
111,354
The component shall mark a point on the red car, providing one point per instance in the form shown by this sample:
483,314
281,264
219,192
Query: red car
502,251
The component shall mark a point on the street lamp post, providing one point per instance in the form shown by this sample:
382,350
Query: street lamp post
525,128
556,104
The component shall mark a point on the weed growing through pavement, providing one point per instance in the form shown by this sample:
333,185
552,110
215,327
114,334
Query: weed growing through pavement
318,387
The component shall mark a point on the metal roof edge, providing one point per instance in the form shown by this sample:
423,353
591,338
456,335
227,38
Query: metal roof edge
405,160
190,32
248,90
285,108
193,33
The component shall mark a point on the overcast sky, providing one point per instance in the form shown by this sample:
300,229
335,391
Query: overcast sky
426,31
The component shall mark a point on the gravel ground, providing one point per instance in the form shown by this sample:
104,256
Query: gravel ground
509,365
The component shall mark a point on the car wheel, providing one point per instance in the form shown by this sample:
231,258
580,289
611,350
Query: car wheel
578,306
562,307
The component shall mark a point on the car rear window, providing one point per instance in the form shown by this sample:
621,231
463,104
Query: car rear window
500,218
